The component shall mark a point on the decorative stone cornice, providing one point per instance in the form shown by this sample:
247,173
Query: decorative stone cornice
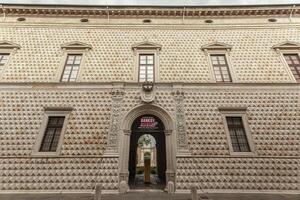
287,45
59,108
76,45
146,45
134,85
146,11
8,45
216,46
224,109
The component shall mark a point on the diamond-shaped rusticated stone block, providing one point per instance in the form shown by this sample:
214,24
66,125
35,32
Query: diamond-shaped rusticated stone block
273,118
40,59
237,173
59,173
22,114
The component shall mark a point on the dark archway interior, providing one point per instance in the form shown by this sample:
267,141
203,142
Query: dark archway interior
156,129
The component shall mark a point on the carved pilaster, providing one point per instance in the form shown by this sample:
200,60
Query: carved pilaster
180,121
115,120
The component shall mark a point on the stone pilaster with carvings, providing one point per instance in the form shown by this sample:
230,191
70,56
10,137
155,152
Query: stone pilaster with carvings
117,95
178,96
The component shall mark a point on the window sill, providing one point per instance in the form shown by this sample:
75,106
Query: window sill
45,154
243,154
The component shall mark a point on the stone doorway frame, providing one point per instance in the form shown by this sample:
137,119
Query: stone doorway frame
170,138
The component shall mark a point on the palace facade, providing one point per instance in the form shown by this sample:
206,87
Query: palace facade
217,87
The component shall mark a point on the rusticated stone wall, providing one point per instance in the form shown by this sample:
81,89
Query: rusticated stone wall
29,83
238,173
40,58
61,173
22,113
273,118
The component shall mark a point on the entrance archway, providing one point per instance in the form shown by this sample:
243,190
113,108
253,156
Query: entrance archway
143,129
168,133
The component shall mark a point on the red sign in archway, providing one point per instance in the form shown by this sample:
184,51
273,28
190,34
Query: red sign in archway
148,122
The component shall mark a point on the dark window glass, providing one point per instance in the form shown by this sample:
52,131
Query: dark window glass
146,67
237,134
71,68
3,58
52,134
293,61
221,69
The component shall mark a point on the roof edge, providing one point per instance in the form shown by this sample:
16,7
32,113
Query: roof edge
150,11
154,6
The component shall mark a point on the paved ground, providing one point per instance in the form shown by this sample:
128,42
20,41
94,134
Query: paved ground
149,196
155,183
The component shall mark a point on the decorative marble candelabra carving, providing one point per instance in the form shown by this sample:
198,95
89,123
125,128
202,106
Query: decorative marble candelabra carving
115,121
180,122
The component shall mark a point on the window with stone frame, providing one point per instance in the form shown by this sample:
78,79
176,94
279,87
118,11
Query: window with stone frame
146,67
293,62
238,135
52,134
220,67
71,68
3,59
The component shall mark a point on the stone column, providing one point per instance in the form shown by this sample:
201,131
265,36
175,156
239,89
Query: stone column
124,157
170,173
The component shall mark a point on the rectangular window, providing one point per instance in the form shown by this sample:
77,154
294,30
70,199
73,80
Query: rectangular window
146,67
220,67
71,68
237,134
52,134
3,58
293,61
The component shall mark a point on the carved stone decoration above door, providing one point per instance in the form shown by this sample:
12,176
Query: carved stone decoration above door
147,92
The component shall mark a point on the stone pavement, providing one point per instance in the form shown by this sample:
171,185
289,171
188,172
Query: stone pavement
165,196
155,183
150,196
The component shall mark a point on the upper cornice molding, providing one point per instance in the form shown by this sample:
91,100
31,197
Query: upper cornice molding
146,45
147,11
133,85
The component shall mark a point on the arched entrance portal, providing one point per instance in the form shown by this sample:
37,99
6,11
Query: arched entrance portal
147,156
167,124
